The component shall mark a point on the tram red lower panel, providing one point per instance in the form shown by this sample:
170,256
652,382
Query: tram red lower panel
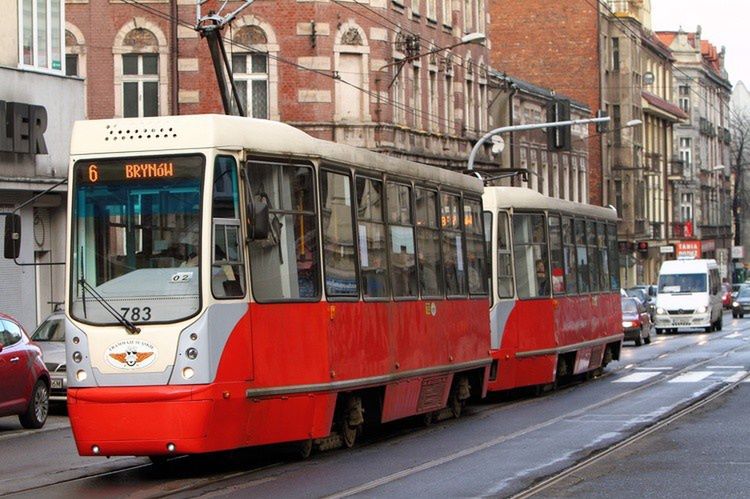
144,420
538,331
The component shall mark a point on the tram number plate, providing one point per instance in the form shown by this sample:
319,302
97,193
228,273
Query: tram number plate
56,383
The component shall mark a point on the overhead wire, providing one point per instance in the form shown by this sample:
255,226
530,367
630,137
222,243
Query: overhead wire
427,116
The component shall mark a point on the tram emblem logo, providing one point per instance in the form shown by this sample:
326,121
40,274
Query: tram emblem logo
130,354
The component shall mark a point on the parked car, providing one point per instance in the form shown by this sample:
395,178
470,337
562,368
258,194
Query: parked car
736,288
636,323
726,295
741,303
24,379
50,337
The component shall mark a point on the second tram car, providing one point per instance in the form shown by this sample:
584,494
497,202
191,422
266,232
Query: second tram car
235,282
555,302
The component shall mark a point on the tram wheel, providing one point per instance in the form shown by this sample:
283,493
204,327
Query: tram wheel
303,449
351,421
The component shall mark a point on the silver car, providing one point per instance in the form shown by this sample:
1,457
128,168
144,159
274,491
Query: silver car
50,337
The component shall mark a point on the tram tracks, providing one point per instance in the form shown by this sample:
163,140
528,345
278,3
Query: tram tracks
553,480
402,436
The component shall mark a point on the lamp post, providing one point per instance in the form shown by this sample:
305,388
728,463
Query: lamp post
533,126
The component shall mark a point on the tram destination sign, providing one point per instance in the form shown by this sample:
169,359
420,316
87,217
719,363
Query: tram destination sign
125,170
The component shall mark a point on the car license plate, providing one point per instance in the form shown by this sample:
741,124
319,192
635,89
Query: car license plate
56,383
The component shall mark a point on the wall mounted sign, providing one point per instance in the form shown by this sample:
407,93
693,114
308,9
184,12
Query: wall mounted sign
22,128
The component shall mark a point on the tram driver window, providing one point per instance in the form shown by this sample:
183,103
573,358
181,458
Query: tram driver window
284,266
227,268
530,255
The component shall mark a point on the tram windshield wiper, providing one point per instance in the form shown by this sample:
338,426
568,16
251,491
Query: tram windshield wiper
129,326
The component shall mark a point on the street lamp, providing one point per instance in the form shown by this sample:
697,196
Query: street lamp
466,39
533,126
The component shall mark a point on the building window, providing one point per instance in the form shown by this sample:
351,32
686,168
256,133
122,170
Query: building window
75,52
685,98
447,13
615,54
431,11
432,113
449,106
468,15
399,96
41,28
250,71
686,208
417,98
140,85
470,100
686,154
616,127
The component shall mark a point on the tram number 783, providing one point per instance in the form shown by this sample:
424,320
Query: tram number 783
136,313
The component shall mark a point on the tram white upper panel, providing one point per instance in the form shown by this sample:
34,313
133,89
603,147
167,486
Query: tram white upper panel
190,132
521,198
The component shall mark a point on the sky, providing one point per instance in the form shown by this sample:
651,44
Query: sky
723,23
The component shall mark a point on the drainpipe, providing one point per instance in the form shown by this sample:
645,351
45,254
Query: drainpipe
173,53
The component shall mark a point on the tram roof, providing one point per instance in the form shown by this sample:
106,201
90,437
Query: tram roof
522,198
190,132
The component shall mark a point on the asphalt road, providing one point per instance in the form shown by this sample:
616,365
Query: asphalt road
499,448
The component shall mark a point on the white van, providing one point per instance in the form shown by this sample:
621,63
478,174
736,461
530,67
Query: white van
689,295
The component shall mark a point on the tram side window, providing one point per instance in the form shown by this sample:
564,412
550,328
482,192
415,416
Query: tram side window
401,231
339,257
227,267
428,242
476,259
614,254
556,255
372,242
530,255
569,250
593,257
582,261
504,269
284,266
601,243
453,245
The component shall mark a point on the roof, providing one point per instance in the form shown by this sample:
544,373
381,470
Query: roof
522,198
139,136
666,107
711,57
536,89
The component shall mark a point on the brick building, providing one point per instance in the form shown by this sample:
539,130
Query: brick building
344,71
554,45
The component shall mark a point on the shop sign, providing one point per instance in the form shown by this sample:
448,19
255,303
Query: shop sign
688,249
666,250
22,128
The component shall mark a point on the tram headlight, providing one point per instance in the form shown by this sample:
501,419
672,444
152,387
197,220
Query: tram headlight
81,375
77,357
191,353
188,372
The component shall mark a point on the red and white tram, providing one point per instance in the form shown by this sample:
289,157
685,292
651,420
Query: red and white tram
555,307
235,282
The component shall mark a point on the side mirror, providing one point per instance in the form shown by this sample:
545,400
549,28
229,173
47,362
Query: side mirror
259,222
12,236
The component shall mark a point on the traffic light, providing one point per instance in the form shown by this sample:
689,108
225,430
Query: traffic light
558,138
642,247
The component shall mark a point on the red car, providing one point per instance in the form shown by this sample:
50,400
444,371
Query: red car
24,379
636,323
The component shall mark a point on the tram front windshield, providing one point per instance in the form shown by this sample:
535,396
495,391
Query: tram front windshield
136,239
